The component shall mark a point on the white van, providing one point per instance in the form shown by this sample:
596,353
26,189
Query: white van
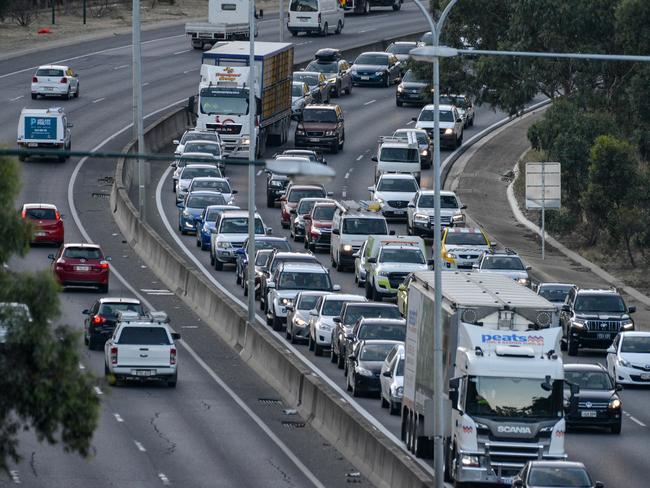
315,17
398,155
44,127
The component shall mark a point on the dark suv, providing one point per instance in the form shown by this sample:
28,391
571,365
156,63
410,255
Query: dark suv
336,70
598,403
275,187
592,318
101,318
321,126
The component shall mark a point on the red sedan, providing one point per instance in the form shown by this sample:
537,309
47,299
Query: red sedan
46,219
81,265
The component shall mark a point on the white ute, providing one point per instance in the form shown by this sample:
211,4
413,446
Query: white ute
142,347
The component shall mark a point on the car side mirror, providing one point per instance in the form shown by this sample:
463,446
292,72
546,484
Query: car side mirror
50,256
374,159
336,287
176,336
454,384
517,484
86,312
176,142
475,266
459,119
356,255
108,258
566,308
463,207
371,260
313,312
631,309
411,205
234,192
414,119
330,193
599,484
431,262
387,374
528,268
391,232
336,232
307,218
336,320
289,308
180,204
619,387
293,211
270,285
371,189
493,244
611,350
70,125
269,231
174,165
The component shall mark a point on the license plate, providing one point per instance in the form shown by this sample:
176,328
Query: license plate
603,335
506,481
41,234
588,413
82,268
645,376
398,212
365,77
143,372
47,88
303,19
32,144
314,139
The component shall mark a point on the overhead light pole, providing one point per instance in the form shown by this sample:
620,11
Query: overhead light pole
138,129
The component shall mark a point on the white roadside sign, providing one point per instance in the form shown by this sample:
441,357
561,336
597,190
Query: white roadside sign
543,186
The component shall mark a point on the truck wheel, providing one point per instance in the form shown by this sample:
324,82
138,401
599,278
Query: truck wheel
218,265
572,347
339,27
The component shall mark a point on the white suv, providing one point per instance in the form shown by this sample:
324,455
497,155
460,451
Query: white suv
420,212
394,192
321,319
230,232
451,124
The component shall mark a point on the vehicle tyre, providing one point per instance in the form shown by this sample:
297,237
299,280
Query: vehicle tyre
312,247
318,350
76,93
198,242
294,33
333,263
270,202
261,305
399,103
292,336
238,279
103,288
397,6
172,383
68,95
287,332
245,290
384,403
334,358
325,30
204,247
355,389
339,27
368,290
348,90
34,96
376,296
93,343
218,265
409,230
563,343
393,408
347,384
106,370
86,341
277,324
342,142
471,122
366,8
311,343
616,428
284,225
337,91
173,186
183,232
22,158
211,258
572,347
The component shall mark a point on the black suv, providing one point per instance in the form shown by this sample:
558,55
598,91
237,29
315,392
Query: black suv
275,187
336,70
350,313
101,318
598,403
592,318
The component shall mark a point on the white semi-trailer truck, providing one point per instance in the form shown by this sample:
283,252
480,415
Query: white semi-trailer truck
503,376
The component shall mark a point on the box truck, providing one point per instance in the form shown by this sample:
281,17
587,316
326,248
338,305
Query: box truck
227,20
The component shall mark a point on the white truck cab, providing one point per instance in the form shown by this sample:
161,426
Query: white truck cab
44,128
142,348
398,155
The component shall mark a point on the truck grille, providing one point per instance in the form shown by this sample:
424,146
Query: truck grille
396,279
444,219
398,203
603,325
508,458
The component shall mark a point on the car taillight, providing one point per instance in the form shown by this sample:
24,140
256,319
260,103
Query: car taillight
34,79
58,215
103,264
113,355
98,319
24,214
63,80
172,355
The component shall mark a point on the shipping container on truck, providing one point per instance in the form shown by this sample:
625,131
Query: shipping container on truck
227,20
503,377
223,94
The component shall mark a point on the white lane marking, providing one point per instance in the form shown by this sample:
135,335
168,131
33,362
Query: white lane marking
81,367
259,172
163,478
103,51
145,83
190,70
140,447
99,100
189,326
369,102
17,98
14,476
118,417
344,194
347,175
160,292
122,66
410,122
98,390
75,216
181,52
365,30
303,43
637,421
359,158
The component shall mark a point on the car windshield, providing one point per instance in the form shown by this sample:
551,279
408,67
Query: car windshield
262,258
502,262
324,212
202,201
302,154
400,368
82,253
311,80
239,225
375,59
213,215
427,38
639,345
387,332
290,280
318,115
191,173
398,184
352,314
279,244
41,213
600,303
307,302
421,136
411,77
215,101
555,293
445,116
141,336
401,255
203,147
446,201
361,226
332,307
466,239
460,102
202,136
513,397
305,206
221,186
399,155
109,310
323,67
400,48
589,380
564,477
375,352
297,194
304,6
303,258
297,90
49,72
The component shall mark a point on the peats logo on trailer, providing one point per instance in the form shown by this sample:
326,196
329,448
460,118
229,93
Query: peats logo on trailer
512,340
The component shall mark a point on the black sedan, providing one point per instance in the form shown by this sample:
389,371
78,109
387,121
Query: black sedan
597,404
101,318
275,187
364,365
558,474
375,68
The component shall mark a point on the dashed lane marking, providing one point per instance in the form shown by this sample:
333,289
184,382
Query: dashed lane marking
369,102
145,83
98,390
347,175
118,417
157,292
99,100
164,479
259,172
17,98
190,70
142,449
122,66
181,52
14,476
637,421
360,158
81,366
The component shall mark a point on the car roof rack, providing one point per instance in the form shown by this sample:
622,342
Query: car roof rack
348,206
410,139
154,316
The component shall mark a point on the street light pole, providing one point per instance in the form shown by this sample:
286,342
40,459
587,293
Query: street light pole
137,103
251,168
281,20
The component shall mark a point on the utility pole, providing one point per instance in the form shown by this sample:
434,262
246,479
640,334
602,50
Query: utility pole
138,129
281,20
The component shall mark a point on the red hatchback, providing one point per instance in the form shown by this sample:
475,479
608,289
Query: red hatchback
46,219
81,265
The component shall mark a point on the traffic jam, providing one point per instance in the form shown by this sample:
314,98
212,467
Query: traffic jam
514,381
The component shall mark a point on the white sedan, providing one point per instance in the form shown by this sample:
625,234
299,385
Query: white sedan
55,80
628,358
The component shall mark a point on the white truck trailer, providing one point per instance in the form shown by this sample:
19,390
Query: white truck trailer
227,21
503,376
223,94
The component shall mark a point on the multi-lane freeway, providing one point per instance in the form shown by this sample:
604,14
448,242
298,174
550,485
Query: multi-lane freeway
222,426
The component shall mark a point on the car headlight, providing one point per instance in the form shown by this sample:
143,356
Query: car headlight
400,88
224,245
450,255
324,326
629,325
331,81
458,218
286,301
275,183
382,273
399,391
379,200
424,152
300,322
259,273
449,132
245,141
346,248
523,281
300,132
315,230
330,132
363,371
578,323
420,217
614,404
469,460
623,362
